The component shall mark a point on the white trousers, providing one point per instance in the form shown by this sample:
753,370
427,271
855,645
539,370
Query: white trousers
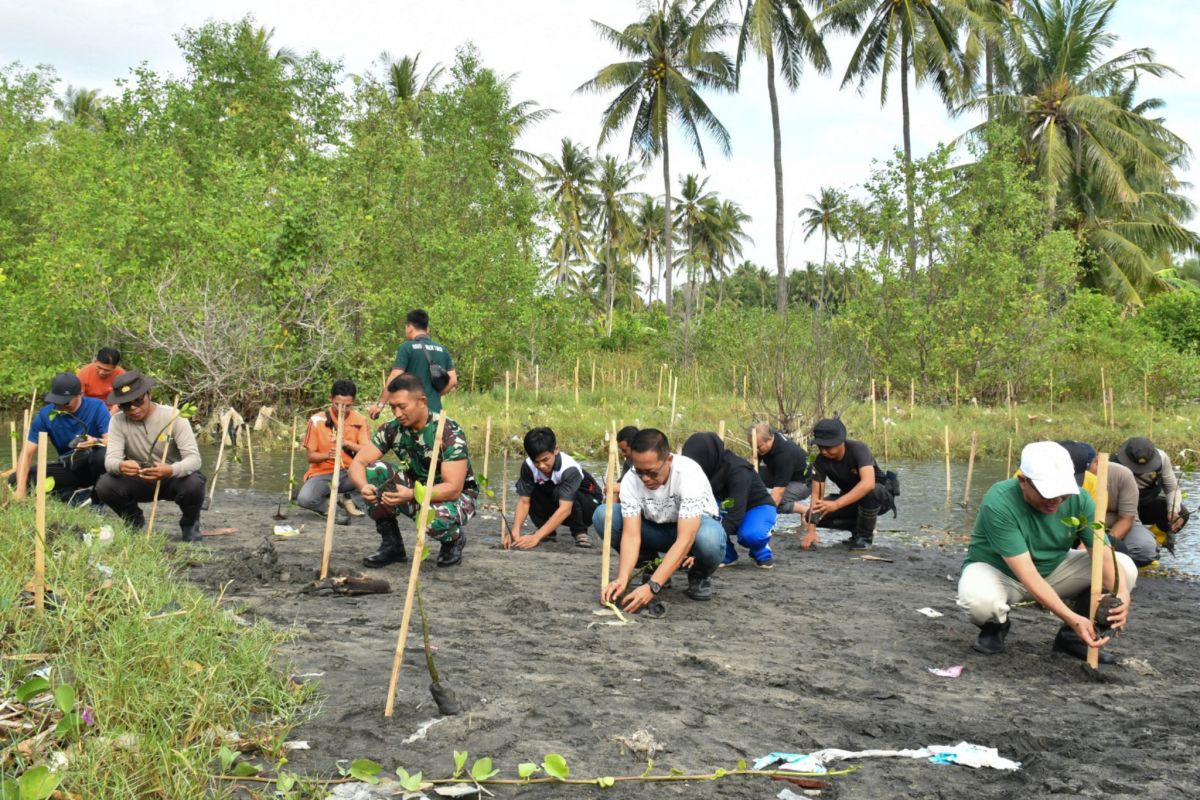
987,593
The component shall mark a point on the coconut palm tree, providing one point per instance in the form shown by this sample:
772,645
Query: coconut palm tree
783,30
724,238
918,38
568,182
81,106
614,202
696,209
825,214
403,78
671,60
648,243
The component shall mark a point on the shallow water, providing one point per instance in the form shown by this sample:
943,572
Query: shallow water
925,515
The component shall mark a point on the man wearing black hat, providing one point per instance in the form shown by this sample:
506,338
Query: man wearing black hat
150,444
1159,498
863,493
78,428
1128,534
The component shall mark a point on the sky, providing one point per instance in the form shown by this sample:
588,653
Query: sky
831,136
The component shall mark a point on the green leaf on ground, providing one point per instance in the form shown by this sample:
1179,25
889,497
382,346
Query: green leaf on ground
31,689
556,766
606,782
64,698
526,768
460,761
481,770
227,757
39,783
245,769
365,770
409,783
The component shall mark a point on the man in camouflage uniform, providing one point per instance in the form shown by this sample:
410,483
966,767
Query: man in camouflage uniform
388,488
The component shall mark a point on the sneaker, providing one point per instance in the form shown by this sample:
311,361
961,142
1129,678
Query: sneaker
765,563
581,539
340,517
451,552
699,586
351,509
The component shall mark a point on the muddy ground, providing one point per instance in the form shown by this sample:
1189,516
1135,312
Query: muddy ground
825,650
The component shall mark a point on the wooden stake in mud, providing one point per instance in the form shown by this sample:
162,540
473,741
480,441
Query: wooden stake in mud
504,532
1008,464
250,454
970,471
1104,396
537,382
593,375
1112,406
609,500
658,394
165,437
25,425
1016,426
946,432
39,539
577,383
1093,655
291,462
212,488
487,447
335,481
887,396
12,436
674,397
414,570
873,420
517,375
721,430
754,448
746,390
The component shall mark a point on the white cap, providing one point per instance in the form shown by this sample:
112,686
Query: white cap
1048,465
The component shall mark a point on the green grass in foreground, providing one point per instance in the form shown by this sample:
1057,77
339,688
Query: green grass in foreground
164,689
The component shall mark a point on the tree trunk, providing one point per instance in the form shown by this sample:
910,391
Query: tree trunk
667,267
611,274
909,177
989,70
780,266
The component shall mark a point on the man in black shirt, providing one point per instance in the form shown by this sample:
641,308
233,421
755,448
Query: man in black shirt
747,510
553,490
862,490
783,467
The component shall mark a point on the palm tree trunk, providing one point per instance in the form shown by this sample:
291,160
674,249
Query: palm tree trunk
667,268
909,178
989,69
611,275
777,139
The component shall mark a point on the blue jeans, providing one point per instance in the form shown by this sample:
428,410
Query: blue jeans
657,538
754,534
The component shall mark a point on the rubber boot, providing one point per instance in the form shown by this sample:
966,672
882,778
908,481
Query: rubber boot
991,637
864,529
189,531
1067,641
451,553
391,547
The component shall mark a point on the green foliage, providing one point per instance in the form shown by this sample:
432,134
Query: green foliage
1175,317
556,766
526,769
481,770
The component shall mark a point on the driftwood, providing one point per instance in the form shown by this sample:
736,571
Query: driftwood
348,584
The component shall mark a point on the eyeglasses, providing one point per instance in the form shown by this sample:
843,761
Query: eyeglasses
136,401
651,473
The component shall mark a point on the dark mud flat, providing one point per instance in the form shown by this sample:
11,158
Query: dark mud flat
826,650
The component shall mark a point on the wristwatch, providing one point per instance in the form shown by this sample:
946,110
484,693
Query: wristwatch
655,587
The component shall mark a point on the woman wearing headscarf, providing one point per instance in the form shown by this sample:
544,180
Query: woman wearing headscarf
747,509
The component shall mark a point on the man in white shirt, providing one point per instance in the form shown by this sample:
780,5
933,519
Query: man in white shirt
667,507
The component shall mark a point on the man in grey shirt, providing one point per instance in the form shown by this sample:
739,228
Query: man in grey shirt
1129,535
150,444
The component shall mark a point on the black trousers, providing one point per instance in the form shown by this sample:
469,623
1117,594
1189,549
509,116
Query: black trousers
846,519
544,504
1154,511
79,470
122,493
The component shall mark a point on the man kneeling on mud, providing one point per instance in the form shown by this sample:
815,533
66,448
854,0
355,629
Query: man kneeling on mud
667,506
553,490
1022,548
388,489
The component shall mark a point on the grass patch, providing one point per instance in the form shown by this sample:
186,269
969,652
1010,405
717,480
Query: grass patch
163,672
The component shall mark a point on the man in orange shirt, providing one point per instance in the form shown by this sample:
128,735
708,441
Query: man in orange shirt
97,377
320,440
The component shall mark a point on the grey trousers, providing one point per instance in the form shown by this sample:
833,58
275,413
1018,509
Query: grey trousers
314,494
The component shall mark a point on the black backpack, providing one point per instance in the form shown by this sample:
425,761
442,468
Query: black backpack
438,376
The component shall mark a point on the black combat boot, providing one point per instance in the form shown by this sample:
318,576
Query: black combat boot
864,529
451,552
189,531
391,547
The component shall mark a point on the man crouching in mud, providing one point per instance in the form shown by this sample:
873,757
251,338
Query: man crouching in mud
1022,548
388,489
667,506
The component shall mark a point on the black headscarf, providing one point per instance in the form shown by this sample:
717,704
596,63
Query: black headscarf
707,450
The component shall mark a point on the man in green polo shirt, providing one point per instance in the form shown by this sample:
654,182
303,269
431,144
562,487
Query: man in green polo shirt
1022,549
424,358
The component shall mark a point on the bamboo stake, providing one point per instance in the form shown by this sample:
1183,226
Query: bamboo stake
1104,396
29,413
1008,464
474,364
873,420
970,471
504,532
517,375
577,383
166,438
721,430
414,570
39,539
593,375
1098,537
1112,406
12,436
754,448
506,381
609,501
537,382
291,463
674,397
946,432
487,447
1016,426
25,425
658,394
887,396
956,388
250,451
212,488
746,389
335,481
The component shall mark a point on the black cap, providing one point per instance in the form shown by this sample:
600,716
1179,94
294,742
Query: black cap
828,433
63,389
1140,455
129,386
1082,455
